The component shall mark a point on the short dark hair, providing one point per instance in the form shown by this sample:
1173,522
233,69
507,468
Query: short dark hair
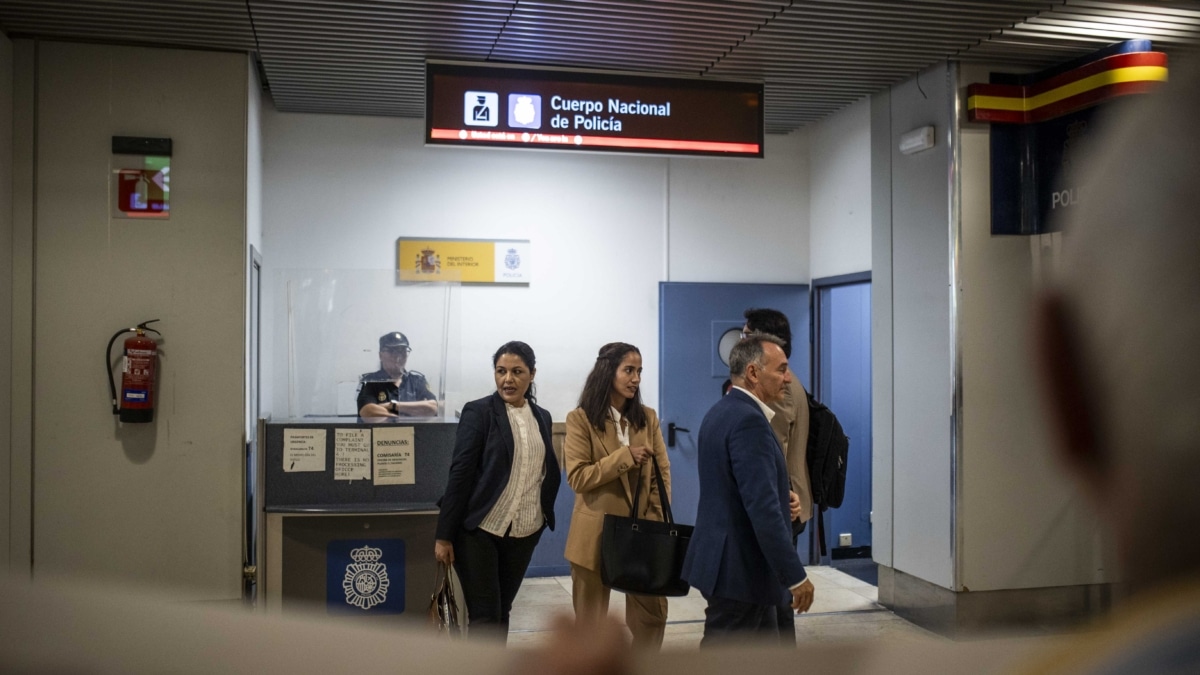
594,399
771,322
525,353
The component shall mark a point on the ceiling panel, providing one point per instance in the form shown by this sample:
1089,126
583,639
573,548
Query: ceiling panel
219,24
367,57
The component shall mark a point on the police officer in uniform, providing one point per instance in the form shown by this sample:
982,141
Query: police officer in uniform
393,391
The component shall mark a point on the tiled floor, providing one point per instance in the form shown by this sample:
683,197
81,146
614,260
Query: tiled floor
844,608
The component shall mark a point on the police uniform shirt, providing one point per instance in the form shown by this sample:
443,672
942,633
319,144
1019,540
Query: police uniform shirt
379,387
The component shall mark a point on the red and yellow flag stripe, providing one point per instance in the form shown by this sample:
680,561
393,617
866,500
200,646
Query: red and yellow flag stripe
1087,85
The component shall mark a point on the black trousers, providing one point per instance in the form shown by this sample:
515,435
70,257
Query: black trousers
785,619
785,615
727,621
491,569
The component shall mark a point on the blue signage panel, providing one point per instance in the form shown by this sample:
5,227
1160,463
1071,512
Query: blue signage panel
1041,123
1036,172
364,576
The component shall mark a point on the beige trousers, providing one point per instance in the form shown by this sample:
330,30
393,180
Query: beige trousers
645,615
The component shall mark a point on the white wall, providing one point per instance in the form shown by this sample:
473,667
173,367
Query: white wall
923,479
840,192
998,513
6,288
1023,524
882,420
741,220
339,190
254,155
157,504
21,354
254,188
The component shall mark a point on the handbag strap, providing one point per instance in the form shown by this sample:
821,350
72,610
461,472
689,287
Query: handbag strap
662,494
441,578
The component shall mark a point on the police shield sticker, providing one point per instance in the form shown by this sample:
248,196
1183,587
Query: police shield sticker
365,576
512,262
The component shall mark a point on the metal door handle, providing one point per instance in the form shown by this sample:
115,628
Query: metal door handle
671,429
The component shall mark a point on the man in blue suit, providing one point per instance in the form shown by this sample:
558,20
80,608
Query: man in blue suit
741,556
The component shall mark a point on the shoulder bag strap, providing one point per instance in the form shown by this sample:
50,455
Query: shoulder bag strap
637,495
662,492
439,577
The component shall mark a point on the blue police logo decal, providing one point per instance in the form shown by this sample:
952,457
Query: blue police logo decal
366,581
512,261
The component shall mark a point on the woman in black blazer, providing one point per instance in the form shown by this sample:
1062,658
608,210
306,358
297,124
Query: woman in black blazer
503,481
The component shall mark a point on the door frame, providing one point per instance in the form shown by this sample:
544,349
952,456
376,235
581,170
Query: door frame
252,477
814,370
814,322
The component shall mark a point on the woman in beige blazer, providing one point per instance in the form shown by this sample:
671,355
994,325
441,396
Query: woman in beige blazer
611,438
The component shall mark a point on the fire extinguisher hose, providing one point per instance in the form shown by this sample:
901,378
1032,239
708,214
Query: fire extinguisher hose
112,386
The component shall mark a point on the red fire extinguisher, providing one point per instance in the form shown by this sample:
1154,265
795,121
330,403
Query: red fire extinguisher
140,361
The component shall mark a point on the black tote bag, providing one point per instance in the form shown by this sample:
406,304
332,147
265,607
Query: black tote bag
645,556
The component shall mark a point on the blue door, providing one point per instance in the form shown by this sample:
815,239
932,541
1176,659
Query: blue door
843,377
698,324
548,560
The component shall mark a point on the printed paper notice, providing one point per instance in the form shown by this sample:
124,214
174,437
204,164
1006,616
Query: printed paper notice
394,456
351,454
303,450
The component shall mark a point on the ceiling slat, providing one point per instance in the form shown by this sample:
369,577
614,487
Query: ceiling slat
367,57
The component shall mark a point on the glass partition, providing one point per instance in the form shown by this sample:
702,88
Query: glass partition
324,334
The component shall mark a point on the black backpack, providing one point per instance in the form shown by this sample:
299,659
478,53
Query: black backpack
828,447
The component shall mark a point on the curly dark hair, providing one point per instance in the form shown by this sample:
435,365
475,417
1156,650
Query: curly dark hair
525,353
595,398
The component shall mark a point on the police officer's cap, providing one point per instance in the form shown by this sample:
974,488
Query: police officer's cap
393,340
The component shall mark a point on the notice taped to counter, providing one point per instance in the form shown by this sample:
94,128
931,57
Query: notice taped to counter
394,456
303,450
351,454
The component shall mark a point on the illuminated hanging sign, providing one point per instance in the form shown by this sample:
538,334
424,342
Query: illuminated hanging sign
491,106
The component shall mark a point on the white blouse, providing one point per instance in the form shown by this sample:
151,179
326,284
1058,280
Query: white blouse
520,504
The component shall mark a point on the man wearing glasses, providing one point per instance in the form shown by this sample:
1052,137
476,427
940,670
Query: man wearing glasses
394,391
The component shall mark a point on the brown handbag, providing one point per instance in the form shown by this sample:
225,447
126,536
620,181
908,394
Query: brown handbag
444,616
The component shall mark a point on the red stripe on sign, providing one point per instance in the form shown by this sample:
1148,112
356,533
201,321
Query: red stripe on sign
993,115
1059,108
1109,63
661,144
1087,70
553,139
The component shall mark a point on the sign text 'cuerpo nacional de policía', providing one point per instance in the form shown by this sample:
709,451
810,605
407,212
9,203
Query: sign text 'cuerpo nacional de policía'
486,105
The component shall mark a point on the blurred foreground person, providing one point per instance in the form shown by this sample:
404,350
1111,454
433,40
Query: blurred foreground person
1118,340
